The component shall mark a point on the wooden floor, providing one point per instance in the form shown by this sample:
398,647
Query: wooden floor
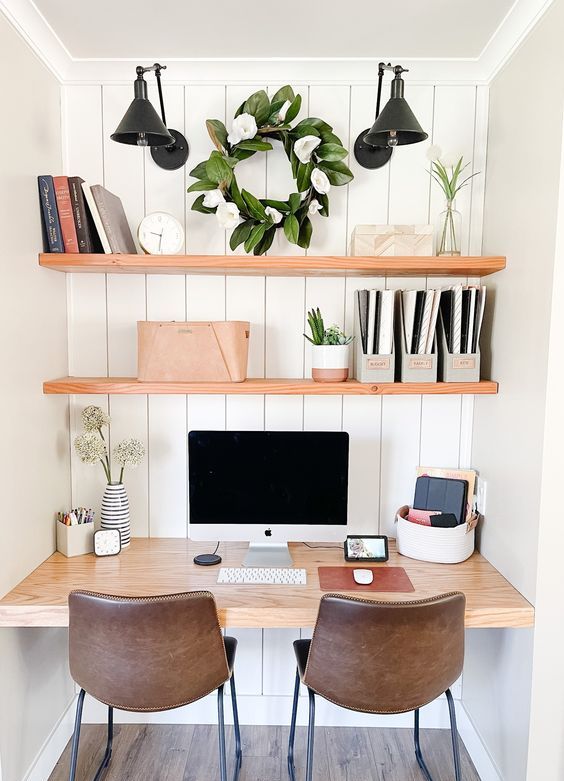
189,753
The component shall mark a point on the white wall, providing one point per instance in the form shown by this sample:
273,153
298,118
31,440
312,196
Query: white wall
34,462
389,436
522,185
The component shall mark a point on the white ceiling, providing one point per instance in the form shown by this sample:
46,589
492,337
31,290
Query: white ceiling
149,29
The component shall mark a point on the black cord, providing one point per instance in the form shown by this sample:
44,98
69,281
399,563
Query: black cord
326,547
215,551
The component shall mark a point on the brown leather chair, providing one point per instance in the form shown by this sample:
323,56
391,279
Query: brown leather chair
381,657
149,654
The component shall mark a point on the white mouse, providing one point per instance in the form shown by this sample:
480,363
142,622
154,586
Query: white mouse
363,577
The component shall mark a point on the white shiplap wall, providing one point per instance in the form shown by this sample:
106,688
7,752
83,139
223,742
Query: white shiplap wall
390,436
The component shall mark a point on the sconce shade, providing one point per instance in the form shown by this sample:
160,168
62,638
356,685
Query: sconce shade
395,116
141,125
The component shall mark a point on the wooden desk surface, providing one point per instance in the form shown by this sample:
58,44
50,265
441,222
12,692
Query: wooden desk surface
161,566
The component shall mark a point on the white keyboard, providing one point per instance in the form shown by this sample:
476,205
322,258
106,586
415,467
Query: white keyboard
279,576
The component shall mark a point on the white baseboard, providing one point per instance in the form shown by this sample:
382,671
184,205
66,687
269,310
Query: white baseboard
266,710
47,758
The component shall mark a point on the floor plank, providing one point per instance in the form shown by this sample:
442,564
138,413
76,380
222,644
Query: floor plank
189,753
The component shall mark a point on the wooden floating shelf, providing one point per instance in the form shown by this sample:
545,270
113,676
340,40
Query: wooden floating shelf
274,265
293,387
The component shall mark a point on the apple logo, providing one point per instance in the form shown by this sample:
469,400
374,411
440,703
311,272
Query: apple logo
268,532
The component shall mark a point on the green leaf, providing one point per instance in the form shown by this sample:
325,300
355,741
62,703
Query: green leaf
236,195
266,242
231,161
291,229
255,236
324,201
199,172
254,145
275,107
284,93
304,130
331,152
198,206
203,185
255,207
217,169
304,176
322,126
282,206
293,109
241,233
306,229
328,137
259,106
337,172
295,200
241,154
295,163
217,132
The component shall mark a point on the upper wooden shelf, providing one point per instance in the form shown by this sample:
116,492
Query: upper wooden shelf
275,265
290,387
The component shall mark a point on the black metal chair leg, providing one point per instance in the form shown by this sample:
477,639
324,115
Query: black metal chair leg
237,730
108,753
454,734
418,754
310,735
291,740
221,730
76,735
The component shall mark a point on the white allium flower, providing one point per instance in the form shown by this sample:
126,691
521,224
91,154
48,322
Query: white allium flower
227,215
304,147
434,153
450,159
320,181
274,214
93,418
213,198
89,447
314,206
129,452
283,110
243,128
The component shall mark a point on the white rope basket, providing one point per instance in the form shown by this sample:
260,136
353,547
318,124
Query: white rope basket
433,543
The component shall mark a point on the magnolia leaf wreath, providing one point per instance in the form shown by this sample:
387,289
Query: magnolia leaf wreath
315,154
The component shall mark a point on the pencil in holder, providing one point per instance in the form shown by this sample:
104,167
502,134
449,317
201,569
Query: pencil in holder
414,367
456,367
371,367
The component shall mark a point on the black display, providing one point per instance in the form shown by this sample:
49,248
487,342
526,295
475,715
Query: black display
268,477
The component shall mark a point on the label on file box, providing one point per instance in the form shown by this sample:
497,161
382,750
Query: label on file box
418,362
463,363
378,363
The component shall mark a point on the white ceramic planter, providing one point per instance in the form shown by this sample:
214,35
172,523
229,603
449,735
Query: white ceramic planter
330,362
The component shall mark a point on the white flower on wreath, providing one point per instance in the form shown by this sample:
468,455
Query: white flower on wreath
227,215
243,128
213,198
283,110
304,147
434,153
314,206
274,214
320,181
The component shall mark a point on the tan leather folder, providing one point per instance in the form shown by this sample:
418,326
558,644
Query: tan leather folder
193,352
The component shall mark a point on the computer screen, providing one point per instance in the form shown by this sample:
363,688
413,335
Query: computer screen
268,477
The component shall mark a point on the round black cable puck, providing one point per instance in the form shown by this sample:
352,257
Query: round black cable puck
207,559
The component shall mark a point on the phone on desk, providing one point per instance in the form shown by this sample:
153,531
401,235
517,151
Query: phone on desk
366,547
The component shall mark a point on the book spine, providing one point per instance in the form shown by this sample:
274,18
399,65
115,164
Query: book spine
106,221
62,194
96,220
80,216
53,237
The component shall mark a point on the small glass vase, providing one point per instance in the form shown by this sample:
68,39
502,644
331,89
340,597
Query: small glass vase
449,230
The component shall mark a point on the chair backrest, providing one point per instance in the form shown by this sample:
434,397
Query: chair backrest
386,657
146,653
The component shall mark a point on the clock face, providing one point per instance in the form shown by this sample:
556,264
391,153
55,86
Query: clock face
160,234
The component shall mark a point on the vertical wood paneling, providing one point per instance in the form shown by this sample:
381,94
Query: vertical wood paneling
83,131
285,307
479,165
453,131
362,418
332,104
245,300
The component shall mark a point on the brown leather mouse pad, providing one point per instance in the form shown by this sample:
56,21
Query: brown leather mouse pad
385,579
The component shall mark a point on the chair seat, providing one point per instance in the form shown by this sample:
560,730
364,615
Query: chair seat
230,648
301,649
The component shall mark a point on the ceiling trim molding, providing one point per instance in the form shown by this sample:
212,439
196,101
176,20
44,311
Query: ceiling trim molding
31,25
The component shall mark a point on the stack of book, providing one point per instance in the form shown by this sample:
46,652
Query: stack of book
77,217
462,312
420,311
376,320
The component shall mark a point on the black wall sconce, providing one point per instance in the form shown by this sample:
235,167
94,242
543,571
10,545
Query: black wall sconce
395,126
141,125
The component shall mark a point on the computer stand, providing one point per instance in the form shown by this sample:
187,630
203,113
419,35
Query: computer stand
268,554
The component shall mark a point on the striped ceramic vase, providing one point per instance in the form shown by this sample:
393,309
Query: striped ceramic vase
115,511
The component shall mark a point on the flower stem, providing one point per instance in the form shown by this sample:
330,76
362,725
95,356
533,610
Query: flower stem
121,474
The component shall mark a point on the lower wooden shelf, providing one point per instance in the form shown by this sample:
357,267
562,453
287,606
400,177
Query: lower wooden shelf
294,387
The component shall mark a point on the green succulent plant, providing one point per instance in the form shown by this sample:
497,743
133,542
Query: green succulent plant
321,335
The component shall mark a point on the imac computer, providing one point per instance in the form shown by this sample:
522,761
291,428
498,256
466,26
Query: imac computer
268,487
